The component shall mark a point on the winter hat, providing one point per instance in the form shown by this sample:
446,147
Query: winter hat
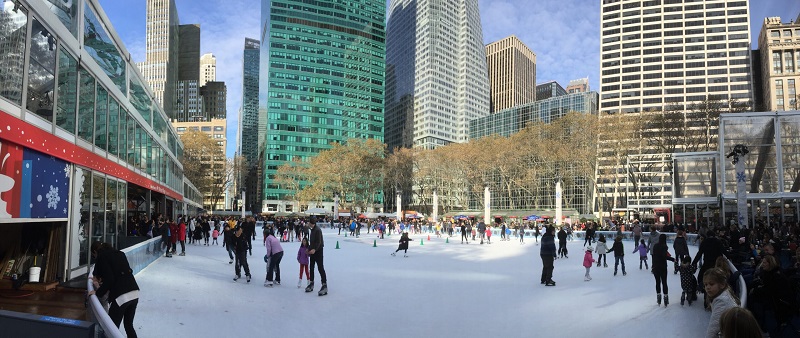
589,248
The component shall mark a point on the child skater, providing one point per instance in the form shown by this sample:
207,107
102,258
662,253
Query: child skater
489,234
601,250
214,235
720,296
688,280
403,245
619,255
587,263
642,249
302,258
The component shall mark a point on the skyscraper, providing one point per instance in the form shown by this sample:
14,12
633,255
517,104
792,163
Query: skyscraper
214,96
549,89
251,132
161,52
578,86
321,79
436,74
188,106
208,68
512,73
668,54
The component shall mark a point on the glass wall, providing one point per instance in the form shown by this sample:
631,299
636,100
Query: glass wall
100,116
113,126
758,134
41,72
13,32
67,91
86,106
102,49
790,152
67,12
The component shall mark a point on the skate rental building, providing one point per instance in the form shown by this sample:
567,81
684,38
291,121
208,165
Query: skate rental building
85,149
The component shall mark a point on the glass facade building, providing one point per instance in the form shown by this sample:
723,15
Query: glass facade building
250,132
86,146
512,120
436,73
321,79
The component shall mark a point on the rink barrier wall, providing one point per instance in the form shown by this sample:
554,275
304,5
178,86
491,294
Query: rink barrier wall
139,257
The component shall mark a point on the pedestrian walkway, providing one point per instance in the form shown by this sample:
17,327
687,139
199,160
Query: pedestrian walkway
442,289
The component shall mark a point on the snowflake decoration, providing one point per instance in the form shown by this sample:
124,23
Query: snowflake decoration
740,177
65,211
53,198
66,170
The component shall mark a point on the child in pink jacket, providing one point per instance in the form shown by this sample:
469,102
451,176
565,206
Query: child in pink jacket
587,262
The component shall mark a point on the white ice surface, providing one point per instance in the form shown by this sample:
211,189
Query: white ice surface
440,290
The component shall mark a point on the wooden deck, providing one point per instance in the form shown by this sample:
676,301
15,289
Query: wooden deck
57,302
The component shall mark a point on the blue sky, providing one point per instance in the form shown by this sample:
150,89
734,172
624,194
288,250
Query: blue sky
564,34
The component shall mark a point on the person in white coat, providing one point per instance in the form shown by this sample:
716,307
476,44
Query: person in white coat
721,297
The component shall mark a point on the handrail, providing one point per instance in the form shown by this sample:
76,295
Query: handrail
99,313
742,285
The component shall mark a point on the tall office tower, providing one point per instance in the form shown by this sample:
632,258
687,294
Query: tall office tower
578,86
661,60
512,73
161,52
252,130
188,107
779,46
658,54
436,74
549,89
208,68
321,79
214,96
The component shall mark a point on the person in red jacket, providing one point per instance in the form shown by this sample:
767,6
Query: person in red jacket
182,235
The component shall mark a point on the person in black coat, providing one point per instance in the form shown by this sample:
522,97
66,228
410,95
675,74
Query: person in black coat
241,244
562,243
404,240
113,275
660,257
548,254
681,248
619,255
709,250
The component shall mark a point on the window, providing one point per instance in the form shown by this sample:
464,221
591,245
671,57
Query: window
41,71
12,52
67,91
86,106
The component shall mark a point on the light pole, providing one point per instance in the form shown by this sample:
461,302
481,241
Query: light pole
738,152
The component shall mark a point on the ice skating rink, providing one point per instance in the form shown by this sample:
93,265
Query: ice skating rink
440,290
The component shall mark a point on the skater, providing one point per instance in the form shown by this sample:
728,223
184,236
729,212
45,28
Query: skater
601,250
464,236
488,234
240,247
637,232
548,254
165,235
642,250
521,234
680,247
113,276
316,244
710,248
275,254
562,243
182,236
403,245
688,280
536,233
587,263
660,258
302,258
721,297
653,238
214,235
228,241
619,255
589,235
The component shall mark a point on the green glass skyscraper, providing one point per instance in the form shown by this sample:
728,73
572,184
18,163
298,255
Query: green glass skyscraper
321,80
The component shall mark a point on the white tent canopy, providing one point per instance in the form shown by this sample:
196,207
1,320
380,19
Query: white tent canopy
317,211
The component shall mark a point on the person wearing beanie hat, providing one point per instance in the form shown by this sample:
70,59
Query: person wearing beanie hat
587,262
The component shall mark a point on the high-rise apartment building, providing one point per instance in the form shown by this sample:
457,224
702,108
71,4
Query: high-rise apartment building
322,80
671,53
578,86
252,129
208,68
188,106
549,89
512,73
161,52
779,46
214,95
661,60
215,128
436,74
